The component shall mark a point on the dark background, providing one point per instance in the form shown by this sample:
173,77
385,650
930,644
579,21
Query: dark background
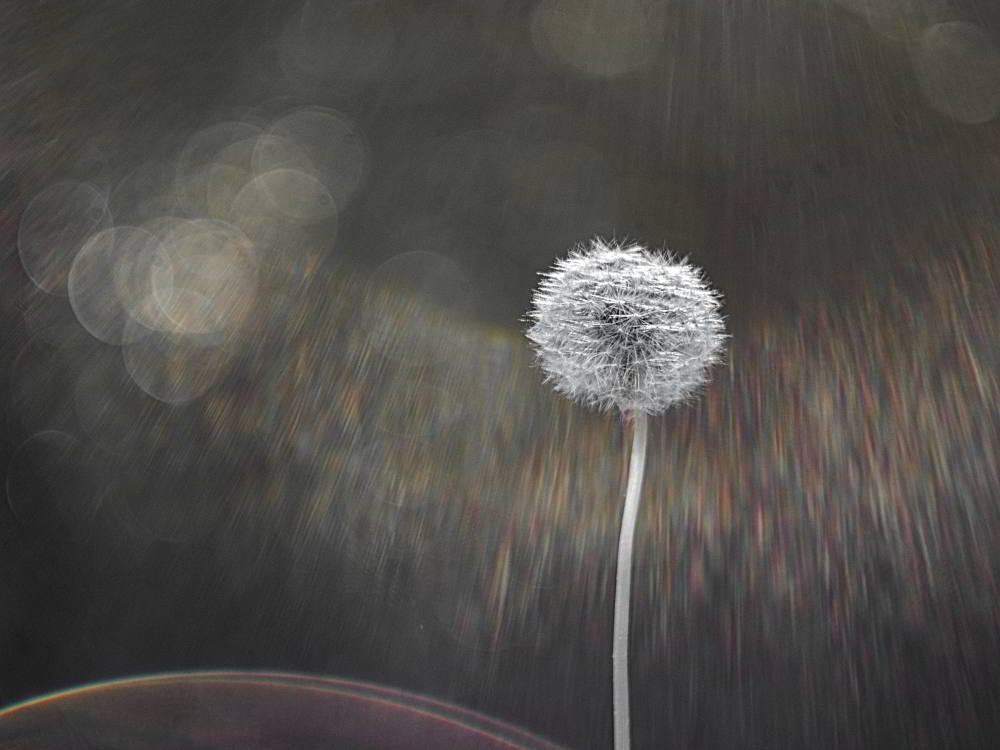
818,554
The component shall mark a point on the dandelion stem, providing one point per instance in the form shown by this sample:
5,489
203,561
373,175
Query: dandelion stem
623,581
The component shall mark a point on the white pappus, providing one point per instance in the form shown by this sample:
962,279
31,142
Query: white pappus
618,326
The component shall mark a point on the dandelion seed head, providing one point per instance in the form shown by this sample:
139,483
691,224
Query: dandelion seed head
618,326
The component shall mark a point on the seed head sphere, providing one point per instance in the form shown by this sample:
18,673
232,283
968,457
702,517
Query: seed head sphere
618,326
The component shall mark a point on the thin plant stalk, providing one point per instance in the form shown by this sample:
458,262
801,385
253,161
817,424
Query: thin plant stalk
623,581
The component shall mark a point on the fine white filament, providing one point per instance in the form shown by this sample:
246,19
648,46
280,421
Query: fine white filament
620,327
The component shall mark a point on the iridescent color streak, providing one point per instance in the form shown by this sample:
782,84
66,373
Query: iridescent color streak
101,705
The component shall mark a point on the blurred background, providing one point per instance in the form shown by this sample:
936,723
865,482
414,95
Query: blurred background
267,404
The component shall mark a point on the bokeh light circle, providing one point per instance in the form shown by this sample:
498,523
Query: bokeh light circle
321,142
899,20
133,279
204,278
109,406
958,68
40,373
144,193
599,38
561,190
416,305
297,195
176,509
47,484
50,317
173,368
54,227
336,48
92,292
283,244
199,153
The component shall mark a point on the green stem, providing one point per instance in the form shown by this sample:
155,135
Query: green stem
623,582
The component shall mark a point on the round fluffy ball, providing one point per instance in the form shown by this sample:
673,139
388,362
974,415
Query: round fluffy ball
620,326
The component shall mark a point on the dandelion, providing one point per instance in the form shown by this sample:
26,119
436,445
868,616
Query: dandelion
619,327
